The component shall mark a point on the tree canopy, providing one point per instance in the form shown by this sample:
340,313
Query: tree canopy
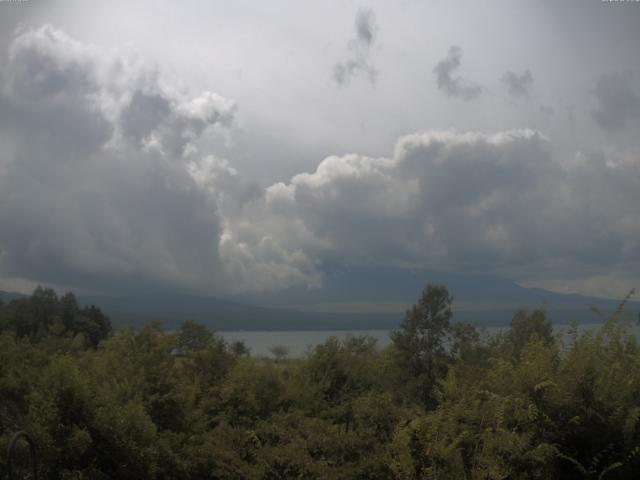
443,401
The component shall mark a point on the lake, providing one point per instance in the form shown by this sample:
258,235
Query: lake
298,342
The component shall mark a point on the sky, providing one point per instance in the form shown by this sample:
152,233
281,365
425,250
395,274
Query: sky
223,148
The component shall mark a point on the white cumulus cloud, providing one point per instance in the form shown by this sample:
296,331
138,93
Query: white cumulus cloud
464,201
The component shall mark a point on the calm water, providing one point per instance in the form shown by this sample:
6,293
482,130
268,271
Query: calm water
299,341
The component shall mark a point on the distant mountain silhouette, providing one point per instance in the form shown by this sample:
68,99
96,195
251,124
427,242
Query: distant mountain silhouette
405,285
479,299
173,309
8,296
380,296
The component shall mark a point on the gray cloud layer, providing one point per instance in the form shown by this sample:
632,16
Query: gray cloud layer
105,183
360,50
518,84
465,201
618,101
102,180
399,210
450,85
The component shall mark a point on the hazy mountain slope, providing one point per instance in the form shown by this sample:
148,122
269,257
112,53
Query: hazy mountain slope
380,296
8,296
173,309
351,298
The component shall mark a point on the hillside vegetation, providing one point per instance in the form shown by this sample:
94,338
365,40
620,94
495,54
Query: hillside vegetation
444,401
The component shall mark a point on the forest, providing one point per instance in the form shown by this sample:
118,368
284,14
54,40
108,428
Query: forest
444,401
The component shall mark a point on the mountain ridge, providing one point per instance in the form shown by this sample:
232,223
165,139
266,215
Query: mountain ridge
362,298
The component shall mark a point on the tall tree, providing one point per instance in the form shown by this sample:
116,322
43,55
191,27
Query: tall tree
193,336
420,342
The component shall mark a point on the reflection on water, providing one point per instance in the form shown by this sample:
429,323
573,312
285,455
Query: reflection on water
299,341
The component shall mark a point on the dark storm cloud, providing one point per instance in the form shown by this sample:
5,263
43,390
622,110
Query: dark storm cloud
101,183
518,84
618,101
360,50
106,183
450,85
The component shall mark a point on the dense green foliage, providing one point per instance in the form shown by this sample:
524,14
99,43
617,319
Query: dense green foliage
444,401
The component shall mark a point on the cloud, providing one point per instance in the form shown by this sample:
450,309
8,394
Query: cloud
101,182
107,184
454,87
546,110
467,202
518,85
618,103
360,50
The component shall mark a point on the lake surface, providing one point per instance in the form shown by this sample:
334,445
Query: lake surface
298,342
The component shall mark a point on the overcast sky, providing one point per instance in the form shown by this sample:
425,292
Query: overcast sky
225,147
